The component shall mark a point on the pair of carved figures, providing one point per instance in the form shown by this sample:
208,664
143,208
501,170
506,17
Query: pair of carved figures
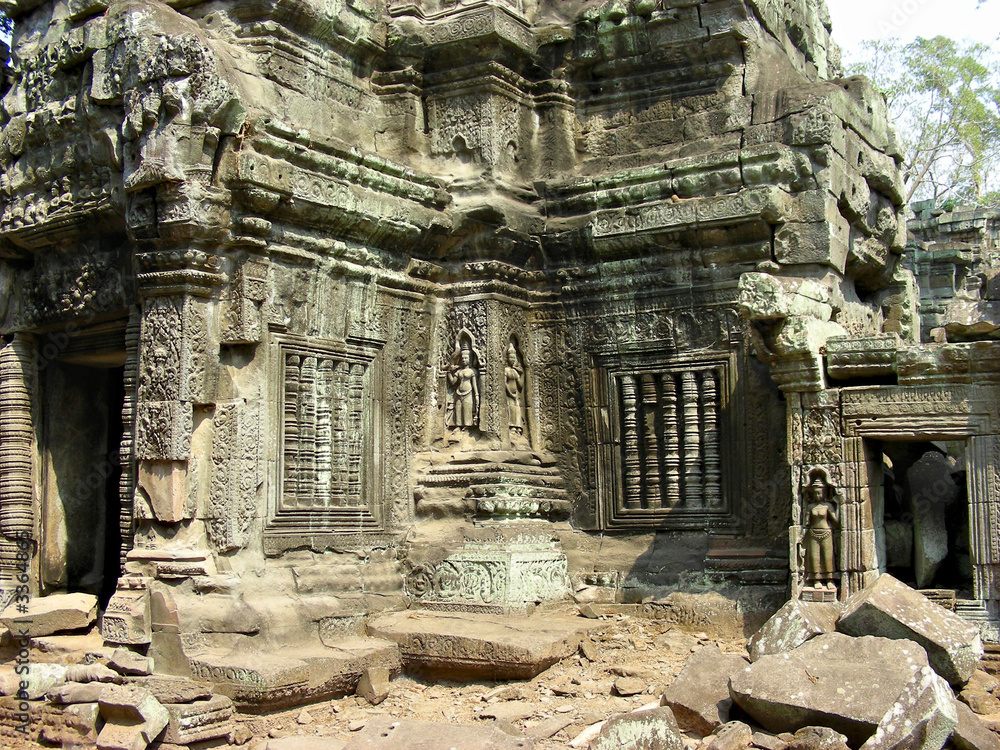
464,388
821,520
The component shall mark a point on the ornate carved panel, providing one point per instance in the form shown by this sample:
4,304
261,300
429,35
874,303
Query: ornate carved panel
328,407
660,446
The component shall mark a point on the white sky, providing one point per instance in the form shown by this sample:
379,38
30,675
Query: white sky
858,20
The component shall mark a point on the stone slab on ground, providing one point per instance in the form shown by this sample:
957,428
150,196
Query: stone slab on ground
699,695
45,615
393,734
970,733
921,718
791,626
470,646
833,680
891,609
655,729
264,682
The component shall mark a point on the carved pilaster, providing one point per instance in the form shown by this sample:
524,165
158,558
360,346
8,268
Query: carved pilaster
17,505
127,481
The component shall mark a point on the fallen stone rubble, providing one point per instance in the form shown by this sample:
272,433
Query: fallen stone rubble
886,670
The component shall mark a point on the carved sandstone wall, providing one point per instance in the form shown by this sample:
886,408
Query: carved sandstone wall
438,300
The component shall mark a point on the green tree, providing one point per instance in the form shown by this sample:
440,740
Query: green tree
945,99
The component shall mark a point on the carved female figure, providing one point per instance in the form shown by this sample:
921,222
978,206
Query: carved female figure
463,379
821,521
514,377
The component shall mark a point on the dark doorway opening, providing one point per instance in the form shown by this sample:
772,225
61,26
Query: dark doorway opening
80,439
922,526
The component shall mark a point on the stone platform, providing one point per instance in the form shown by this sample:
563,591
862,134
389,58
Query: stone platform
462,645
270,681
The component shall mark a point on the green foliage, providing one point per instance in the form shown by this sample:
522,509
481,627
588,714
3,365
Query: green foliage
945,99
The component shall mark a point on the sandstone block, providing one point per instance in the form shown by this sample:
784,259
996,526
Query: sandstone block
76,692
921,718
699,696
847,684
733,735
46,615
980,701
466,645
655,729
817,738
374,685
71,726
199,721
891,609
130,663
133,718
970,733
791,626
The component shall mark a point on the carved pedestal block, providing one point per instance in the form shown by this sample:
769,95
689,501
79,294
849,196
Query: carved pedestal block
500,577
127,617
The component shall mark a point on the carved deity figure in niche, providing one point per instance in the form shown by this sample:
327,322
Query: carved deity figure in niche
821,520
514,378
464,381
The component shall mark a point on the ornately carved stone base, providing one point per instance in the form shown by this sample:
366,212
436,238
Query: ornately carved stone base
818,594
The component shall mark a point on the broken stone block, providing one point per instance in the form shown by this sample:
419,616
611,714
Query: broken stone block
654,729
76,692
970,733
466,645
626,686
374,685
699,695
980,701
791,626
45,615
168,689
130,663
71,726
891,609
133,718
733,735
34,683
833,680
921,718
199,721
127,617
981,680
91,673
385,733
817,738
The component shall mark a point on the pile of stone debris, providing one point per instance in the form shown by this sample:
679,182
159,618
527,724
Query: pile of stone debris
111,699
876,673
879,672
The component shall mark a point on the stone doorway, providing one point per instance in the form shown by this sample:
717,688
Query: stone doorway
79,442
921,516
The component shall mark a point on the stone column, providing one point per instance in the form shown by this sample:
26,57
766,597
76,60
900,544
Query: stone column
18,507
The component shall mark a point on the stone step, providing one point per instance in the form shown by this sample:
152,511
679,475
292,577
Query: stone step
260,681
468,646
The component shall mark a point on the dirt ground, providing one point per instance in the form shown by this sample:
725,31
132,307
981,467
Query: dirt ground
554,707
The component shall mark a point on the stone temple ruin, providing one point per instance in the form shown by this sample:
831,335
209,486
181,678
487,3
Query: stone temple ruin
313,311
